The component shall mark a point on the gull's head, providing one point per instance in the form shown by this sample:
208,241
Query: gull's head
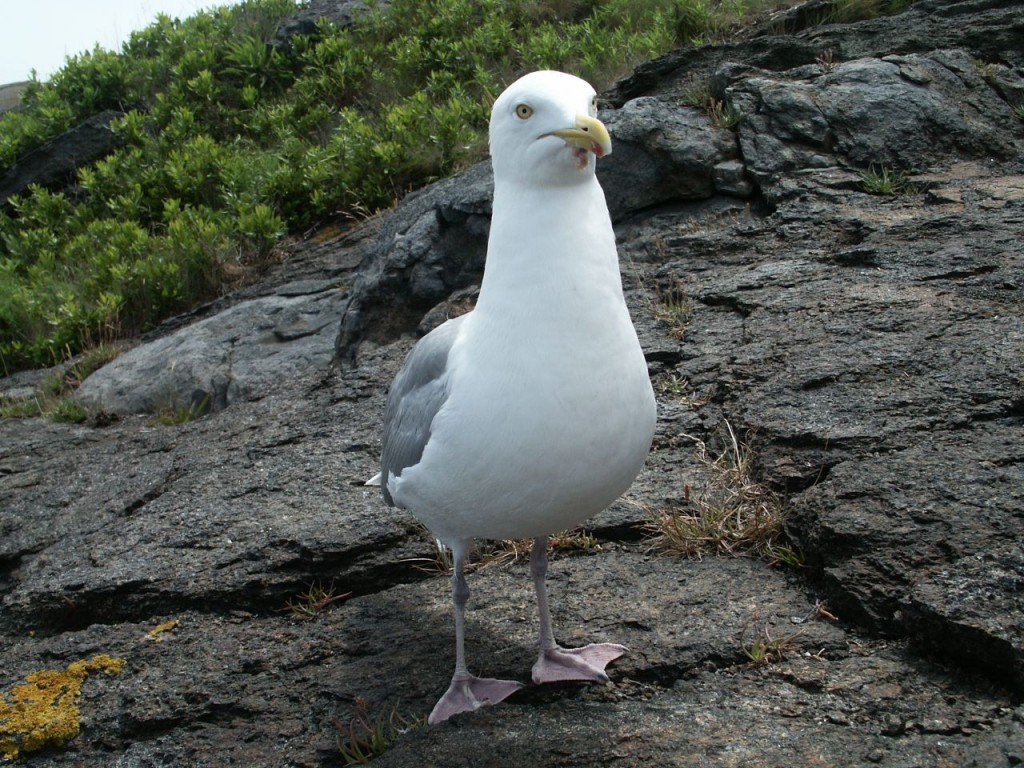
544,130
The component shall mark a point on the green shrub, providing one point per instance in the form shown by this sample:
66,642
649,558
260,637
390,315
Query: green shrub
227,144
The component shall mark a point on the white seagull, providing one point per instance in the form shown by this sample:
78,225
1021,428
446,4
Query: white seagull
534,411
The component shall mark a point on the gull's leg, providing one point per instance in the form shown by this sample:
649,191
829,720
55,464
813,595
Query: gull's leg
466,692
554,662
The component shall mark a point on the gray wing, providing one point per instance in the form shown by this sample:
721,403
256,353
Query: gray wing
417,394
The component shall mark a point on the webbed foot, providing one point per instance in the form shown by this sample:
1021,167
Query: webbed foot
468,693
586,663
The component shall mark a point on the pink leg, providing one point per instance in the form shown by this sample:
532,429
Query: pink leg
554,662
466,692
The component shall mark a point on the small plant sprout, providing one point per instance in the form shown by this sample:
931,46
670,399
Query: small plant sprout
677,388
882,180
827,60
368,736
21,408
173,415
783,554
765,649
696,92
989,71
68,411
732,513
314,600
1018,111
724,116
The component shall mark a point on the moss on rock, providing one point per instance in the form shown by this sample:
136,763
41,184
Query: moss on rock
43,711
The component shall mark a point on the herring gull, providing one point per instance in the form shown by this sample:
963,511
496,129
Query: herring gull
534,411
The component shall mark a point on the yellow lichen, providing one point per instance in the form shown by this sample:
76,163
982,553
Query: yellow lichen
44,709
155,634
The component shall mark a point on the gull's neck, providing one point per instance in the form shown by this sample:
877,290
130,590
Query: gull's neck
551,251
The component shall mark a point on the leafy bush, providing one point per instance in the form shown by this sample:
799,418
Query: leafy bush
228,144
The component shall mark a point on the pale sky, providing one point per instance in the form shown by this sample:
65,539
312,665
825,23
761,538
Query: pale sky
39,34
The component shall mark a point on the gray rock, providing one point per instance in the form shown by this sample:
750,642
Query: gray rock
434,244
341,13
866,347
989,30
973,606
10,96
237,354
666,153
54,163
233,494
895,112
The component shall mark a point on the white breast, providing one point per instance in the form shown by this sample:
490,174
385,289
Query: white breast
550,411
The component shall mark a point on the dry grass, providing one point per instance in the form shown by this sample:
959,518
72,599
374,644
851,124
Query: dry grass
487,553
576,539
672,307
498,553
507,551
732,514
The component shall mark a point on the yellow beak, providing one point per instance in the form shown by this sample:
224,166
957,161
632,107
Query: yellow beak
589,133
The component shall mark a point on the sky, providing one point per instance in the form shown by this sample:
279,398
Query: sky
40,34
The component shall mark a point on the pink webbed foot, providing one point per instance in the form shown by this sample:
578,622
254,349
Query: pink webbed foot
586,663
468,693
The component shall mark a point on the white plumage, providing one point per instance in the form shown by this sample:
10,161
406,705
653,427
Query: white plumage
534,411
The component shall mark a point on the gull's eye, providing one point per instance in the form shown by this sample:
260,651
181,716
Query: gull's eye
524,111
593,106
